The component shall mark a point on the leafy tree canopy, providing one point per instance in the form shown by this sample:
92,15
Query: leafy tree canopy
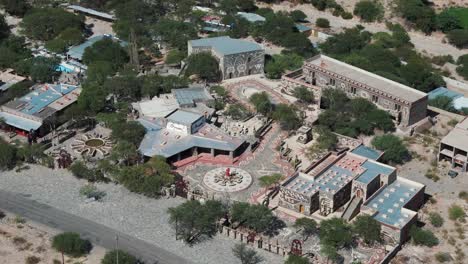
124,258
204,65
15,7
246,255
369,10
106,50
71,244
335,233
395,150
367,228
261,102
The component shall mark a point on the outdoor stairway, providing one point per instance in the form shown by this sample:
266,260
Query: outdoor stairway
352,209
322,166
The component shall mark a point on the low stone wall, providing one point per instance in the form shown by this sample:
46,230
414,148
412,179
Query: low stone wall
259,241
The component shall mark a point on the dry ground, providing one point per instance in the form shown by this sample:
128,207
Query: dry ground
18,241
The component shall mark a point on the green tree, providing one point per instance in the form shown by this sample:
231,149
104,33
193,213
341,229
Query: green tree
307,226
31,153
394,149
269,180
132,132
175,56
447,21
330,252
304,94
327,140
7,155
369,10
41,69
298,15
335,233
423,237
193,220
47,23
418,13
458,37
443,102
246,255
287,116
71,244
256,217
15,7
106,50
278,64
124,257
294,259
175,33
237,111
261,102
367,228
204,65
99,71
4,28
322,22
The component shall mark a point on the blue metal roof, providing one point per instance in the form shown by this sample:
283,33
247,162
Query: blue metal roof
91,12
442,91
226,46
183,117
302,28
188,96
20,122
390,201
251,17
460,102
77,52
43,96
367,152
372,171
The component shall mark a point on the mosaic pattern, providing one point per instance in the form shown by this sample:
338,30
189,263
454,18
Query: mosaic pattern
227,179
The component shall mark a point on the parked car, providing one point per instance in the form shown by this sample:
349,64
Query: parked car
452,174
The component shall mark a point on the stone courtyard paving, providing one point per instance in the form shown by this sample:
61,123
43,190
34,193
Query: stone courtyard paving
133,214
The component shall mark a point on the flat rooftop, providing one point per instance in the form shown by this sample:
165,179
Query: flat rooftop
8,78
226,45
45,98
183,117
458,137
372,170
367,152
390,202
251,17
160,141
380,83
187,96
91,12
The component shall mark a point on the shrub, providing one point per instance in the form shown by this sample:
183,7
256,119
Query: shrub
19,220
456,212
71,244
436,219
458,37
462,195
32,260
423,237
346,15
124,257
443,257
91,191
322,22
369,11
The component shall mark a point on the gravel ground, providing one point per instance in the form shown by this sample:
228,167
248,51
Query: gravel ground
130,213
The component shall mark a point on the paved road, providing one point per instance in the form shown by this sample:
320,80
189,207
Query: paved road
96,233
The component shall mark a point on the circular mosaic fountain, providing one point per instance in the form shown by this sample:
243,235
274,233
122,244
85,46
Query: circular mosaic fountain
227,179
93,145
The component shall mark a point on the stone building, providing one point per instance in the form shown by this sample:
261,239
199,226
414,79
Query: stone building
346,184
236,57
407,105
454,147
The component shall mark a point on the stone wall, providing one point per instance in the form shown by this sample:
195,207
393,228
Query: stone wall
242,64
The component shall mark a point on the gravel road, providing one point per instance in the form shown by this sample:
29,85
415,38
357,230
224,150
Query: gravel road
132,214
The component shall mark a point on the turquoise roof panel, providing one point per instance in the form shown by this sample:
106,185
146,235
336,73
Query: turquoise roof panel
226,45
367,152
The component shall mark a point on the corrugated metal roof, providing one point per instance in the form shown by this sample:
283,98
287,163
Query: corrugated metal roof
367,152
226,45
76,52
442,91
189,96
20,122
372,171
183,117
251,17
91,12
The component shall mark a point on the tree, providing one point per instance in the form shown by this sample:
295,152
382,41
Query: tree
261,102
175,33
307,226
100,71
174,57
462,69
269,180
443,102
106,50
7,155
447,21
124,258
327,140
278,64
423,237
367,228
256,217
41,69
246,255
304,94
458,37
287,116
421,15
294,259
71,244
15,7
393,147
31,153
132,132
322,22
204,65
47,23
329,251
237,111
4,28
368,10
193,220
298,15
335,233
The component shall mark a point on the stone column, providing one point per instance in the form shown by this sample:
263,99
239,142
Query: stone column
195,151
231,154
213,152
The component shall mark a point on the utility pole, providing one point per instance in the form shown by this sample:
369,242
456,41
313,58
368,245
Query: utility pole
117,249
133,50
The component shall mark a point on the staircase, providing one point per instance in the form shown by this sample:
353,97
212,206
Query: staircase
352,209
